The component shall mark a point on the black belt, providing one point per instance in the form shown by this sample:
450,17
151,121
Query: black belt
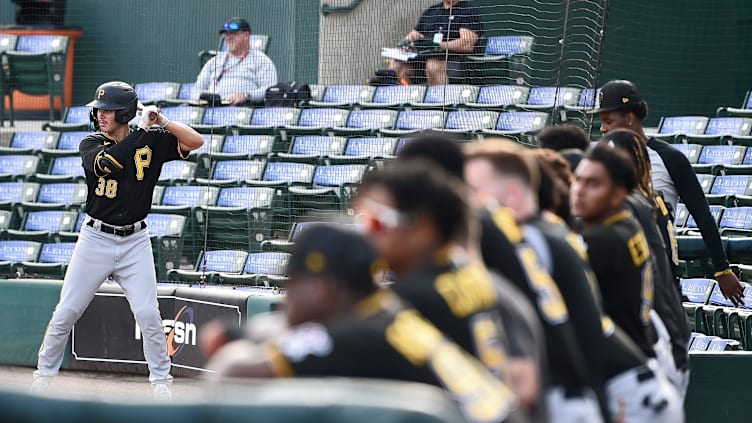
119,230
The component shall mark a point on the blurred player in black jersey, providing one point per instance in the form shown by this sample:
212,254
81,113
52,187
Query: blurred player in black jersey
342,324
620,257
650,211
527,358
502,170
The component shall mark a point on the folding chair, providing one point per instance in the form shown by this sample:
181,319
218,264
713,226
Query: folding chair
156,92
674,128
234,172
58,196
521,126
15,167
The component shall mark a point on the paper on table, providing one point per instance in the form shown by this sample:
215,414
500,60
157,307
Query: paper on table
397,54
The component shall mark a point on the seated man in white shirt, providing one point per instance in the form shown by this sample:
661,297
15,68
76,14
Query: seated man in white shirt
240,74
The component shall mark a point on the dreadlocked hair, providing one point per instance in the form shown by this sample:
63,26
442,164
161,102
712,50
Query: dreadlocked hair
631,142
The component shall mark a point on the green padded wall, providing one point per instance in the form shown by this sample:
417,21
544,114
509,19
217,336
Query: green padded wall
25,309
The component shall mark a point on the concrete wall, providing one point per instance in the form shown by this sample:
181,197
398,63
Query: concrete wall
350,42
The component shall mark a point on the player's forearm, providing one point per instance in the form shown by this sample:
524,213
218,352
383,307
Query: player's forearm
188,138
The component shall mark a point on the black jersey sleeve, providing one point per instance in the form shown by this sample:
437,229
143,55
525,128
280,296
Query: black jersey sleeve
169,145
498,252
93,149
690,191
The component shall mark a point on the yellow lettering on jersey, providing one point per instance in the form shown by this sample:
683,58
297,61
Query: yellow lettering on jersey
550,302
638,248
577,245
142,158
504,220
482,397
413,337
673,242
106,187
487,334
647,294
466,291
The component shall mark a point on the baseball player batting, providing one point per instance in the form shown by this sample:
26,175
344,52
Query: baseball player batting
122,167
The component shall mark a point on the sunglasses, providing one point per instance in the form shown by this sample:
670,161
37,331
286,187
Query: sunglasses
232,26
375,217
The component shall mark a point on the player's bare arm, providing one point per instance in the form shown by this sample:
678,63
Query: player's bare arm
188,138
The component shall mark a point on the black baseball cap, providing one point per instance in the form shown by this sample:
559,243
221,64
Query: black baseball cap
339,252
235,25
617,94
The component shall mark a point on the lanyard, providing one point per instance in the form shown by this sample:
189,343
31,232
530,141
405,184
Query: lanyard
225,68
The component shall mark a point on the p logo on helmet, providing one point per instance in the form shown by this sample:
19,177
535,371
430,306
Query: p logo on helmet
100,94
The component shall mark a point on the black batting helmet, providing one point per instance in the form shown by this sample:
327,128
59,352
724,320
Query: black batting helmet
115,95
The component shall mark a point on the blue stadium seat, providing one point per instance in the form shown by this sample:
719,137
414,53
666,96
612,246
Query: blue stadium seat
696,293
744,111
286,244
451,95
245,147
234,172
691,151
76,118
30,142
266,120
287,173
681,215
718,345
266,269
72,236
362,150
714,158
333,187
13,253
500,96
706,182
675,128
690,226
413,121
367,122
43,226
186,196
188,115
317,120
63,169
58,196
504,60
242,216
745,168
721,130
209,265
177,171
701,343
395,96
589,99
213,144
168,235
223,119
156,92
736,220
52,262
14,167
313,148
345,95
470,121
14,193
728,188
67,146
42,44
186,91
519,125
548,98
